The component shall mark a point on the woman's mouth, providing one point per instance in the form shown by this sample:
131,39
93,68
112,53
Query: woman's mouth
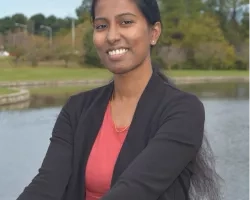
117,54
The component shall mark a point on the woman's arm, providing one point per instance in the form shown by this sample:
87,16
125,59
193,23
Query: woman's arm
167,154
53,176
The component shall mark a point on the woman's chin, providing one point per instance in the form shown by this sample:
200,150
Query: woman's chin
118,70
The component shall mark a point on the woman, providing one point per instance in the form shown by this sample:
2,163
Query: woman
137,138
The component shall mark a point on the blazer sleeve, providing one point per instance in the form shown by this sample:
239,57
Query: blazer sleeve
167,154
54,173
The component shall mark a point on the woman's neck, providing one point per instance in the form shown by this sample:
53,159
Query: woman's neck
130,86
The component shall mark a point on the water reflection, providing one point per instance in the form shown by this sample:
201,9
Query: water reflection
219,90
230,90
16,106
203,90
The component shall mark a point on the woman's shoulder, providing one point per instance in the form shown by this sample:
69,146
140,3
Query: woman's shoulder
176,99
89,95
172,93
77,102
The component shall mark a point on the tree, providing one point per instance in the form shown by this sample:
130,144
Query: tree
227,12
175,11
38,20
50,20
17,52
84,7
204,36
245,26
242,53
90,56
19,18
6,24
34,22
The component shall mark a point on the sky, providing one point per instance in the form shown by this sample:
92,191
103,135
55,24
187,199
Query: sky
59,8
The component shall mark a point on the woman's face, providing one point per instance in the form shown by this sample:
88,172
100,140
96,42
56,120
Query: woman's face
121,35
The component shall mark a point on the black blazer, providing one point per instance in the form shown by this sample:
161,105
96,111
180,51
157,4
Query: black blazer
156,160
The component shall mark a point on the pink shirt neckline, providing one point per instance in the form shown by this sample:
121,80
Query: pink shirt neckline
103,157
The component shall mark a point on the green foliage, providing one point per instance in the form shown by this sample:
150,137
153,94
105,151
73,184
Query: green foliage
83,8
90,56
156,59
215,56
8,23
245,26
17,53
206,31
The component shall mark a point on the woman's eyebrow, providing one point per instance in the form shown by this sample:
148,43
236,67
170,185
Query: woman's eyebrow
119,15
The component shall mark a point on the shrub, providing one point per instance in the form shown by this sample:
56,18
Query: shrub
91,57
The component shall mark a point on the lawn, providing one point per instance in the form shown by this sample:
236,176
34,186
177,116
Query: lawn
196,73
51,73
55,91
58,73
4,91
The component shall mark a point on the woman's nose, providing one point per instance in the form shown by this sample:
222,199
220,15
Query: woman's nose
113,34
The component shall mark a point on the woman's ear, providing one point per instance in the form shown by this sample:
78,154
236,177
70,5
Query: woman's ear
155,33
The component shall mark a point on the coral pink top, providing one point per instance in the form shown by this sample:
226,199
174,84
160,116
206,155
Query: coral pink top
103,157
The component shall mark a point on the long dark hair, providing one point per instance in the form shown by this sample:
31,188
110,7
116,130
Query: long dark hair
205,182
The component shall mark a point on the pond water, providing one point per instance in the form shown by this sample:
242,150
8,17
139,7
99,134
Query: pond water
24,137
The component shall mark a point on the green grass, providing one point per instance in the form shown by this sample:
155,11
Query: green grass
76,73
55,91
4,91
183,73
51,73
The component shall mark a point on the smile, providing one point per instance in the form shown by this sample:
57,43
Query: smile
117,52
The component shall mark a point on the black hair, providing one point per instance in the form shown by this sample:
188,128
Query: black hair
149,9
205,182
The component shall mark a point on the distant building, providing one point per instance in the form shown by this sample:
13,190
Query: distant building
3,53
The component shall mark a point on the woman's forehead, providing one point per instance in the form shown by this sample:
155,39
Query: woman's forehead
115,7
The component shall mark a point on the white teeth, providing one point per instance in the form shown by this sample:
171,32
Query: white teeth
117,52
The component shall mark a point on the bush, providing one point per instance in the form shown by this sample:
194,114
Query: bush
6,61
157,60
91,57
241,64
214,56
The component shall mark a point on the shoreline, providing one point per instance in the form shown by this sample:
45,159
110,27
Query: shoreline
20,96
90,82
23,95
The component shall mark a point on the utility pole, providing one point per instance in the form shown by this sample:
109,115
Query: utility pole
73,33
48,28
24,26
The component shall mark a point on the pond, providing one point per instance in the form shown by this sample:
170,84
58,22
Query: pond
25,132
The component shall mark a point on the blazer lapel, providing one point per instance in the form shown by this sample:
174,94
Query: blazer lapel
85,135
137,136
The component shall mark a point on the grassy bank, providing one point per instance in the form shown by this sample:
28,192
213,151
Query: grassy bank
220,88
197,73
51,91
56,73
51,73
4,91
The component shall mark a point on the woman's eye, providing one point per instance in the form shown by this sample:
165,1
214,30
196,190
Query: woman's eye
102,26
127,22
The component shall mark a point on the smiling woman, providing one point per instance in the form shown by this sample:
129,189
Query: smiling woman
136,138
122,37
